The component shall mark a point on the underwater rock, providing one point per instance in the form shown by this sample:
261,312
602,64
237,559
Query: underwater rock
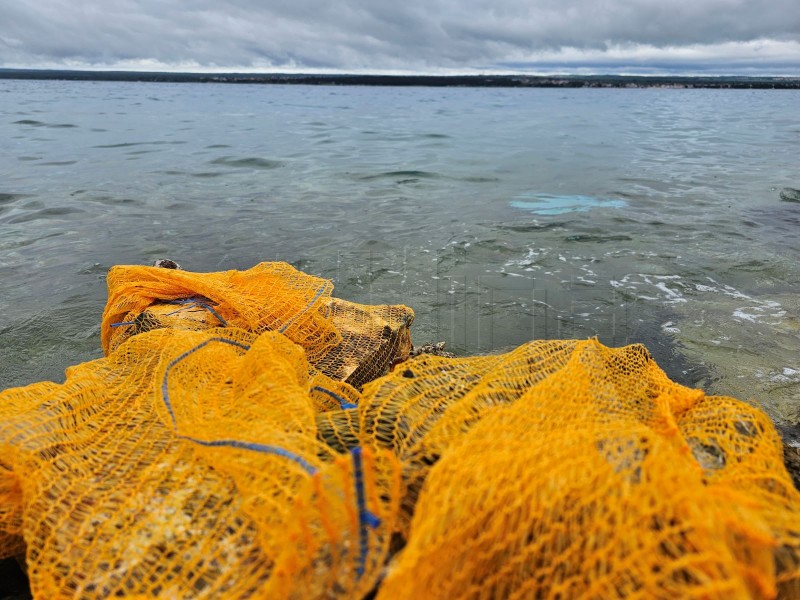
166,263
790,195
436,349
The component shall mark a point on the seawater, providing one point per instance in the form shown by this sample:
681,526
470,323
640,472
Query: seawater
499,215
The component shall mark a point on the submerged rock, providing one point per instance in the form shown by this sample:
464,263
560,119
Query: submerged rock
436,349
166,263
790,195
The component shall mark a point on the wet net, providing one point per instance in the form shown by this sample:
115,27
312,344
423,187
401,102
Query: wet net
249,436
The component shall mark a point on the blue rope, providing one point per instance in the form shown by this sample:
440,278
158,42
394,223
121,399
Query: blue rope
263,448
200,303
365,517
191,301
342,401
175,361
121,323
307,307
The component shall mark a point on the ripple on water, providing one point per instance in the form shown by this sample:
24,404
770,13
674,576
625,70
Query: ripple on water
139,152
112,200
776,224
207,174
7,198
584,237
532,227
478,179
33,349
129,144
34,123
252,162
56,212
402,175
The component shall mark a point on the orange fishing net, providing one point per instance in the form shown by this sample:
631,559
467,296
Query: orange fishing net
225,448
572,470
347,341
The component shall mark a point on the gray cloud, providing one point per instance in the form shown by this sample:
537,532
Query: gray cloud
426,35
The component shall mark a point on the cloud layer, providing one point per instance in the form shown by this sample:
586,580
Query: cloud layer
412,35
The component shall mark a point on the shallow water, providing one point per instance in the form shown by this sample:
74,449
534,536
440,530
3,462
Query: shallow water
497,214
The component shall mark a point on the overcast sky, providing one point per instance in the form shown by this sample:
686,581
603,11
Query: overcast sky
752,37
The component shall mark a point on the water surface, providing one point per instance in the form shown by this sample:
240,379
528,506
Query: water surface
499,215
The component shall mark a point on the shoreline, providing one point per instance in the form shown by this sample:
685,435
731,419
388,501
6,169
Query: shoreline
494,81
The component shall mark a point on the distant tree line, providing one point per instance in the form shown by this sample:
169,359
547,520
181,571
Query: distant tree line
510,81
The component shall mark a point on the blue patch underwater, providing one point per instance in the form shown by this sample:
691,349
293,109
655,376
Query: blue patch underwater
549,204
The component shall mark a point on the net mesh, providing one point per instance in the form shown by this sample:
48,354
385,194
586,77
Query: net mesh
347,341
268,297
590,476
187,464
246,436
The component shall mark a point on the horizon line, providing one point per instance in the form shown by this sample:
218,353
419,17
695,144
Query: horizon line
395,74
545,70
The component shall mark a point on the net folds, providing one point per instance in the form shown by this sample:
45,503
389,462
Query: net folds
247,435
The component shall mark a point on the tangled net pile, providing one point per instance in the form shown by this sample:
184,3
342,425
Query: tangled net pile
249,436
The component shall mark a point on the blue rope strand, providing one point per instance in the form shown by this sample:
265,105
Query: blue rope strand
342,401
209,308
121,323
365,517
200,303
175,361
263,448
307,307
